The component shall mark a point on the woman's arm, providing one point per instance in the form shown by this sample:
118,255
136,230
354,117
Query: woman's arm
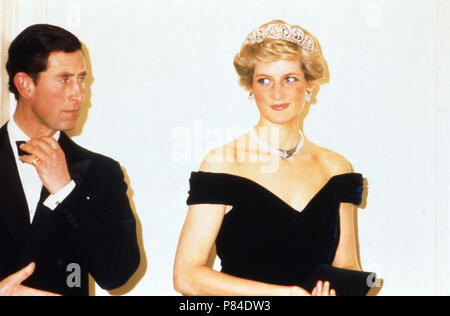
347,256
347,251
191,274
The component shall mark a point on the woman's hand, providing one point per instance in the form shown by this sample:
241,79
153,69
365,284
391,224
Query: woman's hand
323,289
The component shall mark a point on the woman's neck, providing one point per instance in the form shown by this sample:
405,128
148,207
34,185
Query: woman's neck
281,136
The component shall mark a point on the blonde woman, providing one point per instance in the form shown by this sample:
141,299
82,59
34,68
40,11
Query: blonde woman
279,206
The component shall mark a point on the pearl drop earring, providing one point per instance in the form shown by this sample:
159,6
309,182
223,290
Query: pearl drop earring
308,96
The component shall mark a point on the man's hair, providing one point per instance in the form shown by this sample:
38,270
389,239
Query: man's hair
30,50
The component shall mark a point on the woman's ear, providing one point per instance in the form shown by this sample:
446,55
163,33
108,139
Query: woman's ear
310,84
25,85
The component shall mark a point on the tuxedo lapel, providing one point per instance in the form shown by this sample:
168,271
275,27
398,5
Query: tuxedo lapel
13,206
77,164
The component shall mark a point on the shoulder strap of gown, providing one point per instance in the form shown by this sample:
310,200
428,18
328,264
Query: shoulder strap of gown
349,187
212,188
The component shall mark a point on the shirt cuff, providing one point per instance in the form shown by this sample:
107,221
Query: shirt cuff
53,201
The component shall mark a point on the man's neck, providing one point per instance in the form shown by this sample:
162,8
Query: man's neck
31,125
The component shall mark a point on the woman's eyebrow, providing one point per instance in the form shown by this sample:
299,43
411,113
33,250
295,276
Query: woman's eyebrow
284,75
262,75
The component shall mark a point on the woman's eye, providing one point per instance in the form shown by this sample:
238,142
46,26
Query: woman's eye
264,81
291,79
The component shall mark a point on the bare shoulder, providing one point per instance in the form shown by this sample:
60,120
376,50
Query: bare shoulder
224,159
213,161
330,160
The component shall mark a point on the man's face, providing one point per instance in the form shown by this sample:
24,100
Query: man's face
59,91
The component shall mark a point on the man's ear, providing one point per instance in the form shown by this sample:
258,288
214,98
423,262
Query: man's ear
25,85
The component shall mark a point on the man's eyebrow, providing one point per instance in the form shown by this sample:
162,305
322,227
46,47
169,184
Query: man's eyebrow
65,74
68,74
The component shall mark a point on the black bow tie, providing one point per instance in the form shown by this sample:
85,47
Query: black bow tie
21,152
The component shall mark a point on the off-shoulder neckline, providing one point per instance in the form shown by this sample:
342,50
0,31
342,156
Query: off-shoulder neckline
279,199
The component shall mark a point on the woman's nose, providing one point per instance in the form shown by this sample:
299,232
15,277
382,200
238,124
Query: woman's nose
278,91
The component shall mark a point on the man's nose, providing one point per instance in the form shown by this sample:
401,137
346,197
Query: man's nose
77,92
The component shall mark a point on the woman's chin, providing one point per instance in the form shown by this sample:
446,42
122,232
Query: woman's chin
280,119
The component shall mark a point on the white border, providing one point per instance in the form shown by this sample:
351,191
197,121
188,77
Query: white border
442,149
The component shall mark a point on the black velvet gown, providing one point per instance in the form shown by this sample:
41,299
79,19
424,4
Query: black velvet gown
264,239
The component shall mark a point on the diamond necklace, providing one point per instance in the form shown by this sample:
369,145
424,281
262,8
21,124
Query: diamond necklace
279,152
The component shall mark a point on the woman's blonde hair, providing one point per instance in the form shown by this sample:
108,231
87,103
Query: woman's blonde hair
270,50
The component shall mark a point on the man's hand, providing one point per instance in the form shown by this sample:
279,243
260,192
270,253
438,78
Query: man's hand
12,285
50,162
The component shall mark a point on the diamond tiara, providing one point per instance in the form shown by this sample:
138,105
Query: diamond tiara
282,32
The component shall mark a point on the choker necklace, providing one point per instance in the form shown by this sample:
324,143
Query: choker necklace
279,152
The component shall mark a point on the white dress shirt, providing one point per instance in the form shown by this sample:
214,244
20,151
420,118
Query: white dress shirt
31,182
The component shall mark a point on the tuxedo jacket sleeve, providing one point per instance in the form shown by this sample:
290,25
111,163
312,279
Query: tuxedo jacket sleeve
102,216
99,212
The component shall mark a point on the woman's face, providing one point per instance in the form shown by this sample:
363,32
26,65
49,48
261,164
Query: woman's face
279,90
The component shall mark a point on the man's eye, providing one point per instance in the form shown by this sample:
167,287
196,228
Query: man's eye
264,81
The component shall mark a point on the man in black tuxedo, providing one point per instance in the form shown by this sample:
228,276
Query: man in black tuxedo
64,212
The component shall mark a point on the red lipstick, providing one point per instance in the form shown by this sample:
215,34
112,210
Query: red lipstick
280,107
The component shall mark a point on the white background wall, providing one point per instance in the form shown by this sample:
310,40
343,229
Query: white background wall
165,92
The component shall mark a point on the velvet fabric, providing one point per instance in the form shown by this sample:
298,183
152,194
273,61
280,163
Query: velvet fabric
264,239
